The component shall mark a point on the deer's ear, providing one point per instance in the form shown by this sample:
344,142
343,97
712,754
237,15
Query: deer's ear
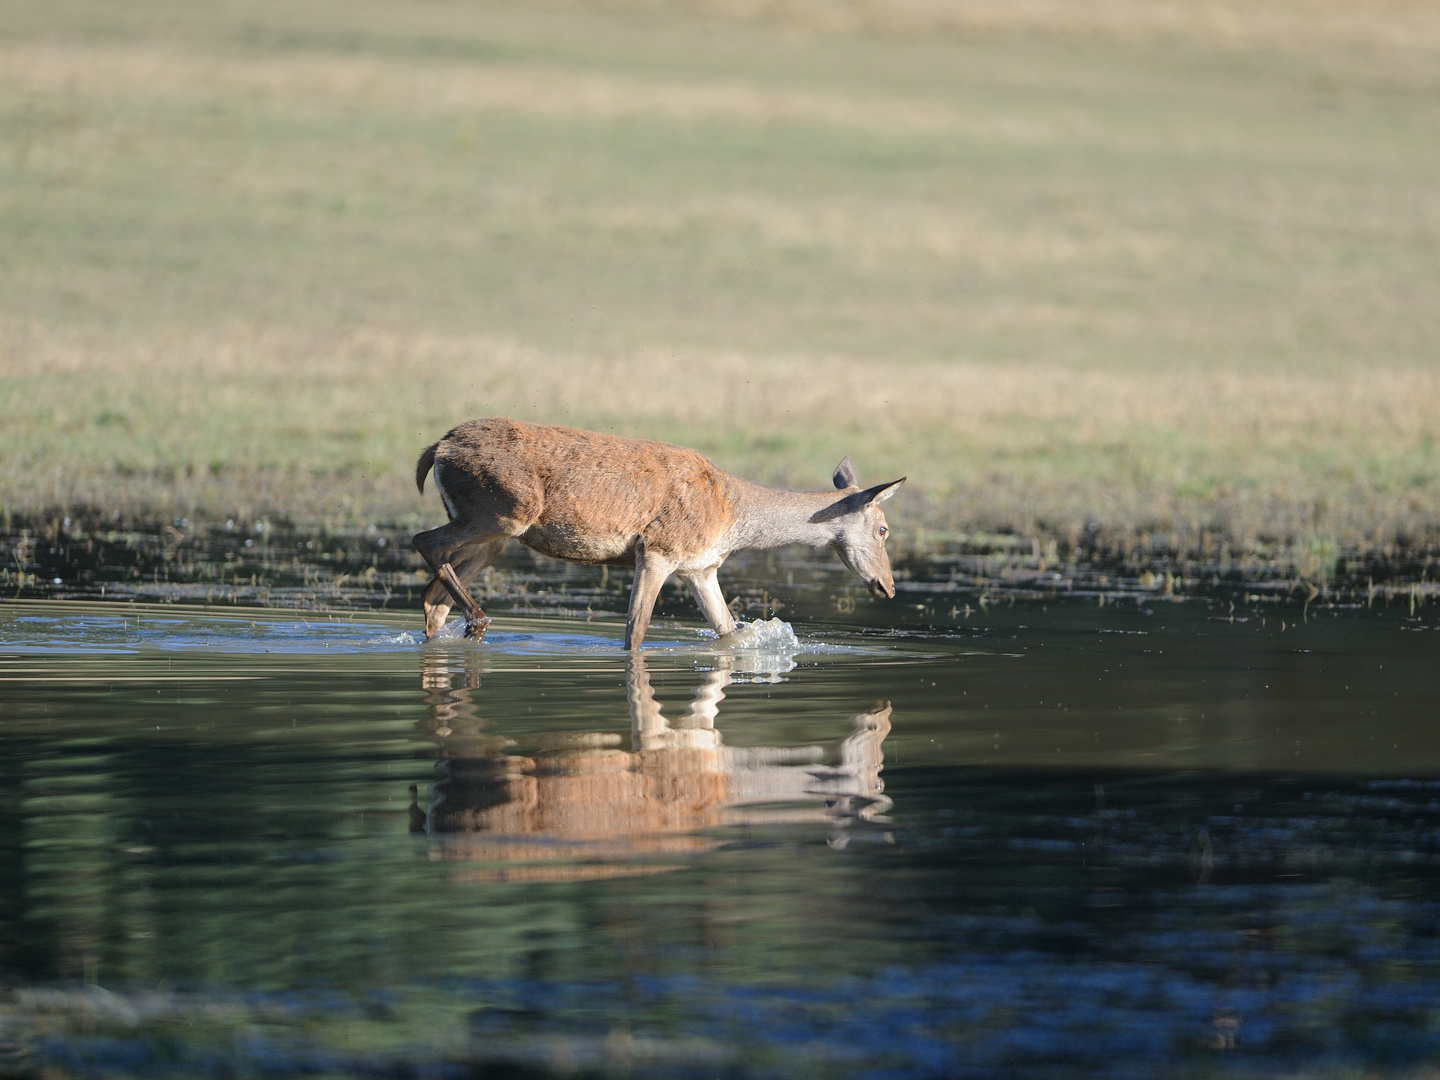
845,474
881,492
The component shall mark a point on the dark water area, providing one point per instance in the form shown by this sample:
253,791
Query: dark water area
991,828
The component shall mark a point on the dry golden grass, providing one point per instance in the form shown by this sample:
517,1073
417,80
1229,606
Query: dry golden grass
1146,265
1399,25
147,73
325,429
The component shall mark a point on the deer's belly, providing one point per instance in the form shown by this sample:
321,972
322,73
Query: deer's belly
561,542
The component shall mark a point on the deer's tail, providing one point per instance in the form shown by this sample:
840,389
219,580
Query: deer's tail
424,465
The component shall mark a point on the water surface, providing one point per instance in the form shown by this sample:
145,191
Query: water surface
1053,838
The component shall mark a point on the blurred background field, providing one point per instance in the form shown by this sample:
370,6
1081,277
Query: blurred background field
1133,269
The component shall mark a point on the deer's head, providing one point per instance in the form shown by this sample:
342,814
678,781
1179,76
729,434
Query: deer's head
860,529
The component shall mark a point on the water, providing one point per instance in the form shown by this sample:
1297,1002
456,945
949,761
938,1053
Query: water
1041,839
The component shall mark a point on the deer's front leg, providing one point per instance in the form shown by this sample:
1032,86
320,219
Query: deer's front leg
706,587
650,574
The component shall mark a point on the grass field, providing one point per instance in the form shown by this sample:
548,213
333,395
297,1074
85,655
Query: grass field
1150,267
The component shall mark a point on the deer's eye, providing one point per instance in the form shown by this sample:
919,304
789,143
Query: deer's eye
884,531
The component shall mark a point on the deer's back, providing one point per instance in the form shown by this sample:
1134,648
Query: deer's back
581,495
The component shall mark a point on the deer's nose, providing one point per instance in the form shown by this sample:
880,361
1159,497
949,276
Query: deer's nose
880,590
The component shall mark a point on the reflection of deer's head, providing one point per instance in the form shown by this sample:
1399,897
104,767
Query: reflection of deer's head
584,795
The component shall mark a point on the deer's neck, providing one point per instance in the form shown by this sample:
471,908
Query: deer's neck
769,517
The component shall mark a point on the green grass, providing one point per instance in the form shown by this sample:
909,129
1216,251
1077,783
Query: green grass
1136,272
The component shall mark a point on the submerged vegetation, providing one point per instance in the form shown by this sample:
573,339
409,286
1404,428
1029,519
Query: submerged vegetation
1138,278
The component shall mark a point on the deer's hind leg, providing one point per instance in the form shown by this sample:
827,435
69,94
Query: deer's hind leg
440,548
483,515
467,564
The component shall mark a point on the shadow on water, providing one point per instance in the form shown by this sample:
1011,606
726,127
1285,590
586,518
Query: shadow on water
1050,839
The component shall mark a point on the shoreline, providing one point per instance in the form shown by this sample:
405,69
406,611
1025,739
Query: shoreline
289,566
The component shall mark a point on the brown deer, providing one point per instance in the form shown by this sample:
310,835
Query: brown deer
594,498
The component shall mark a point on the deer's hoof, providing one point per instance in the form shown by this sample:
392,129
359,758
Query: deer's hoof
475,631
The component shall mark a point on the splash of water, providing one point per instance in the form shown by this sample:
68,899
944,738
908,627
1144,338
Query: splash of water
764,649
764,635
454,630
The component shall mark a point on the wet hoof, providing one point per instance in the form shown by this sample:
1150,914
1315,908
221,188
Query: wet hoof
475,631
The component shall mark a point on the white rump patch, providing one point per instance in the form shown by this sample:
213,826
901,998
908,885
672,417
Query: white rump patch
444,495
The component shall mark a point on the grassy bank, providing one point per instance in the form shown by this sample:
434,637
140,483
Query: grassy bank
1158,270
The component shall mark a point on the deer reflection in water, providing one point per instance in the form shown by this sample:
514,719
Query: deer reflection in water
585,798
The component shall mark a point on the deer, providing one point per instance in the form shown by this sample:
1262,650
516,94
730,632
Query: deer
588,497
